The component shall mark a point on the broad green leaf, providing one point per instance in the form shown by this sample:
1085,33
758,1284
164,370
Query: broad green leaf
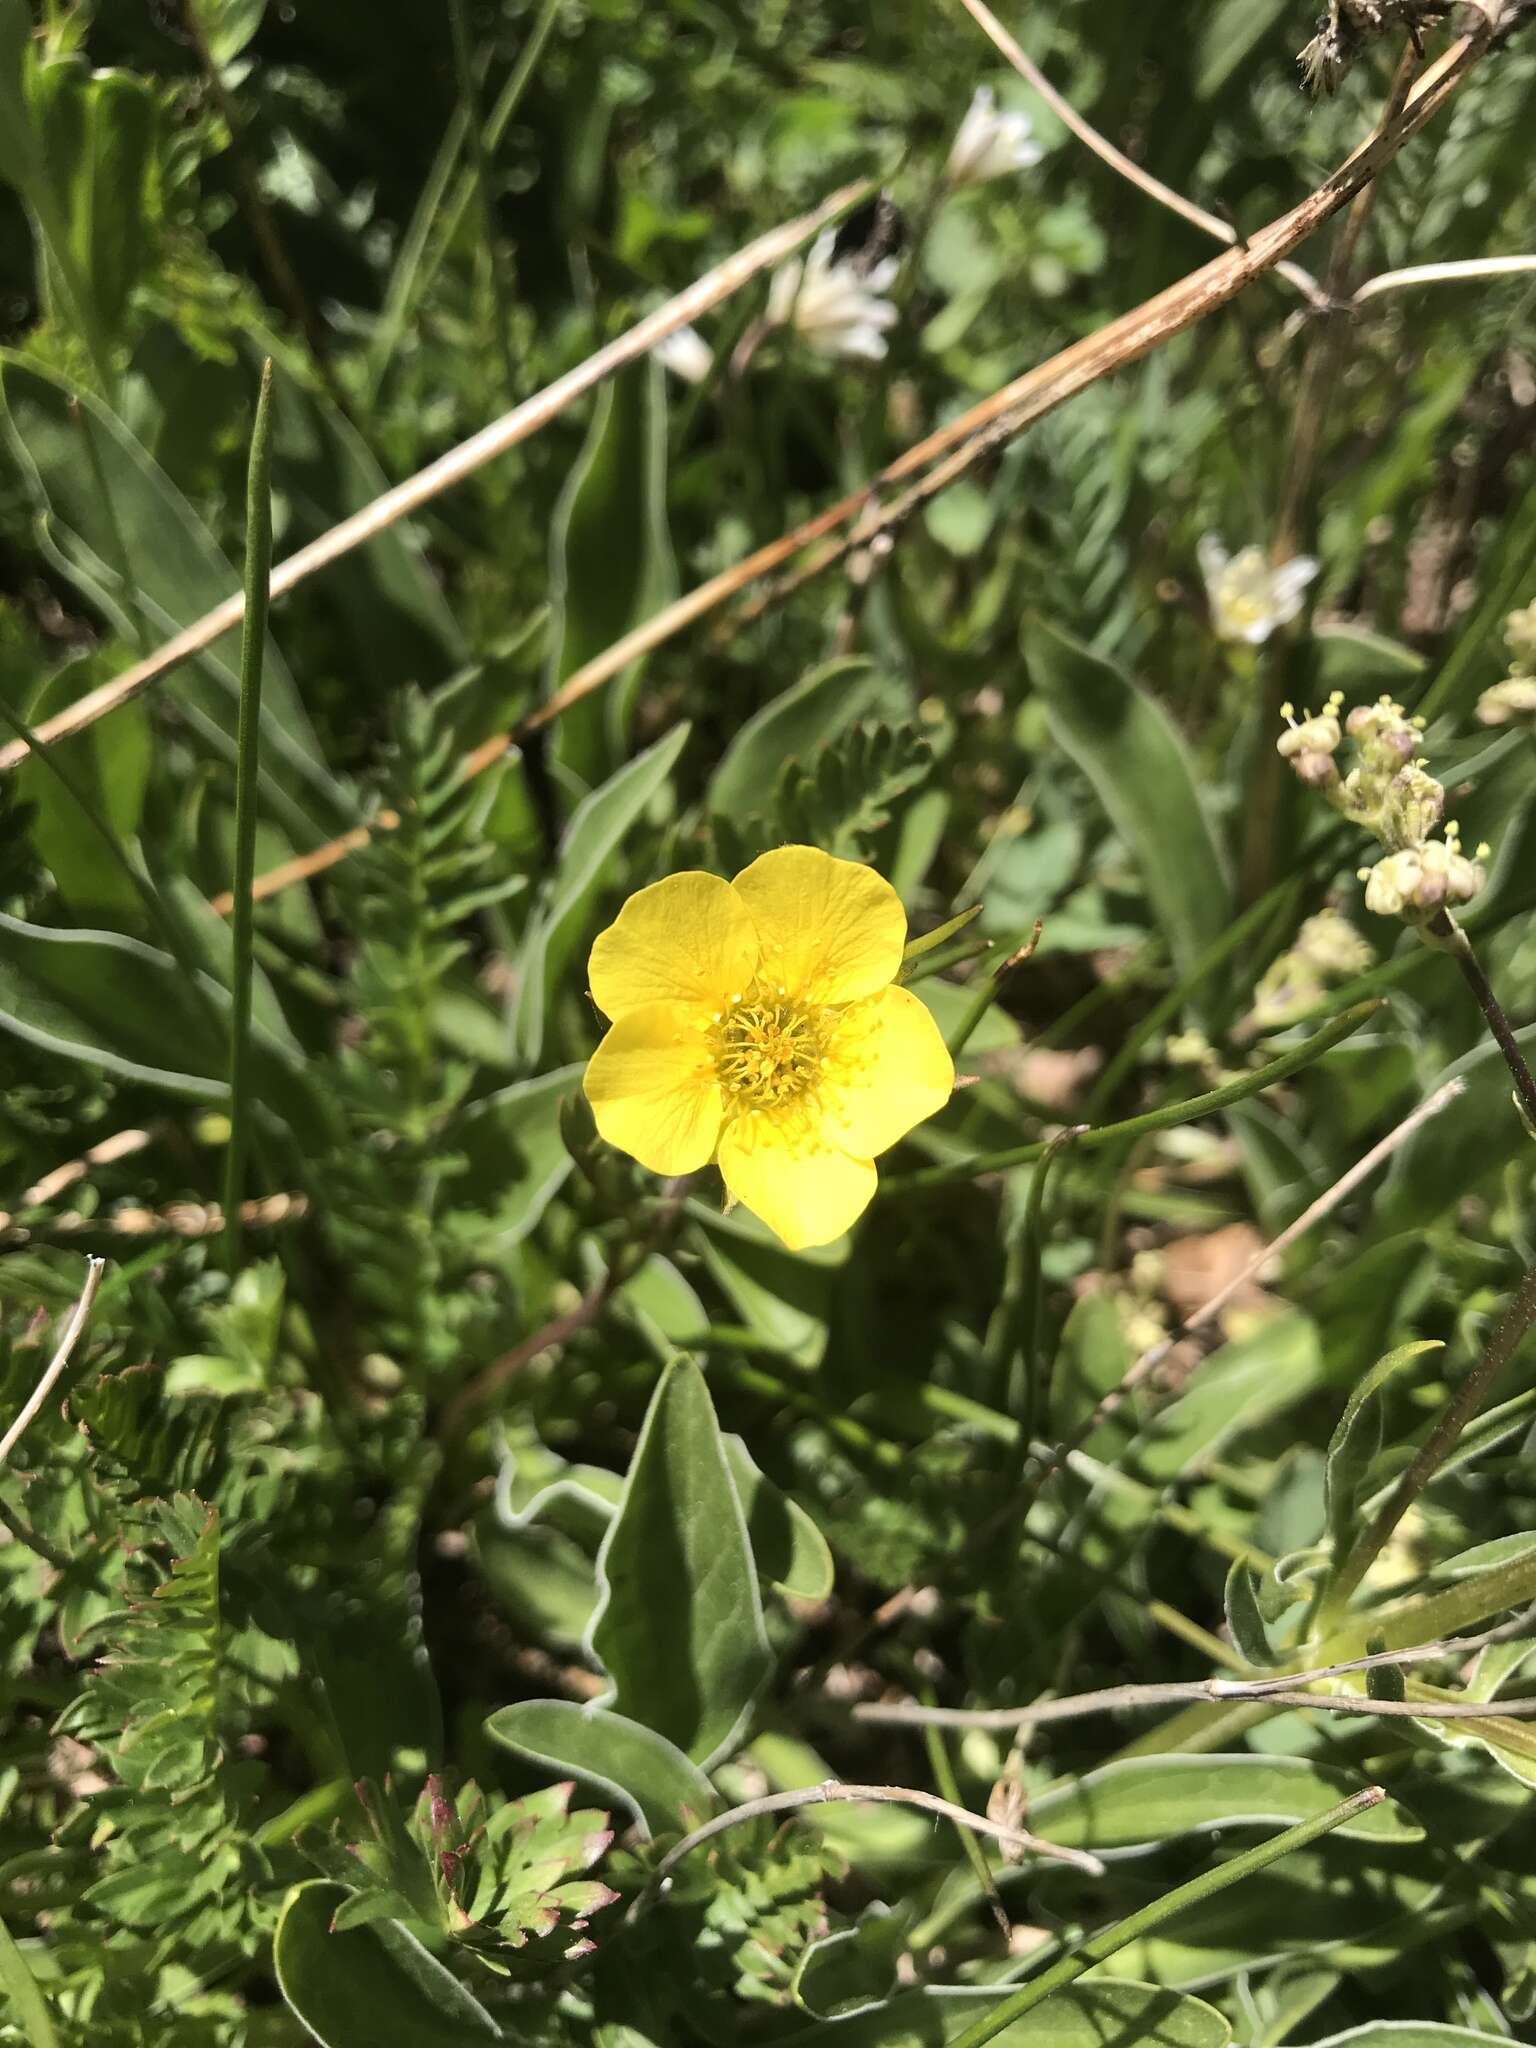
1357,1440
679,1549
110,764
112,523
370,1984
597,829
794,726
512,1144
611,556
1238,1387
1143,776
790,1551
854,1968
1088,2015
1228,33
98,134
629,1763
1356,660
785,1297
1141,1801
1409,2034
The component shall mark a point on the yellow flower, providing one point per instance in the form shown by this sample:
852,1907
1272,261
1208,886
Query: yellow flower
756,1023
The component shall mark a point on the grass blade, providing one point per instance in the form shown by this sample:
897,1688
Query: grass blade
258,576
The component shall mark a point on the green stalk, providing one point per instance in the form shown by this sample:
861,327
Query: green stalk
480,159
1124,1932
253,642
991,988
1171,1114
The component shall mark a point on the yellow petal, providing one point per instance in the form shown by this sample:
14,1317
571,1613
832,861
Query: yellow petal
652,1087
887,1069
831,931
806,1191
688,939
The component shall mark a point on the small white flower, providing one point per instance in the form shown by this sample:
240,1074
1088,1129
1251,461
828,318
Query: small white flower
833,305
1249,599
988,144
686,354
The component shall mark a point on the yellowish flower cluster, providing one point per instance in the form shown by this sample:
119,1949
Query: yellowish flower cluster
1389,792
1327,949
1513,701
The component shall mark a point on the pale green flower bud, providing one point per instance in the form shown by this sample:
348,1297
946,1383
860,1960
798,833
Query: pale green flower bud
1420,881
1413,806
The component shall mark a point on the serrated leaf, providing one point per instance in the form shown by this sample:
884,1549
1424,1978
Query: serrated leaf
679,1548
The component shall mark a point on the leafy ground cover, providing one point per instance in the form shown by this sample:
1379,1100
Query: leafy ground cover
462,1577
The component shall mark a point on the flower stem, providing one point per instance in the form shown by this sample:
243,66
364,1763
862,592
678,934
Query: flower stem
1195,1893
1450,935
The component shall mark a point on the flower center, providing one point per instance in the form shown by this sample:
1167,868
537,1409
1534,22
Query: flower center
768,1049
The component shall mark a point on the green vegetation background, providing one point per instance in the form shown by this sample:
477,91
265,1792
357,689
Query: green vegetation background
347,1521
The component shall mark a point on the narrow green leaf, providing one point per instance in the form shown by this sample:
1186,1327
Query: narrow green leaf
1142,774
1356,1441
790,1551
1245,1622
676,1561
19,1987
253,642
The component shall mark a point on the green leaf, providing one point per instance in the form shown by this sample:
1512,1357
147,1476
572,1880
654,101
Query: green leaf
120,1006
794,726
512,1144
1356,1442
1090,2015
1454,1153
1239,1387
111,522
611,559
228,25
18,1986
110,763
1503,580
677,1559
369,1984
1245,1622
19,155
629,1763
790,1551
1143,776
1141,1801
99,141
1409,2034
597,829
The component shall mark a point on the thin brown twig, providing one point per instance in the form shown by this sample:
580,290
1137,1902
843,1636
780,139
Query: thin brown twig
74,1329
1210,1308
836,1793
1454,940
1209,223
1288,1690
402,499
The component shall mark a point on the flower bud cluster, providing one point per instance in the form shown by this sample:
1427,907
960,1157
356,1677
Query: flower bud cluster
1327,949
1390,793
1513,701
